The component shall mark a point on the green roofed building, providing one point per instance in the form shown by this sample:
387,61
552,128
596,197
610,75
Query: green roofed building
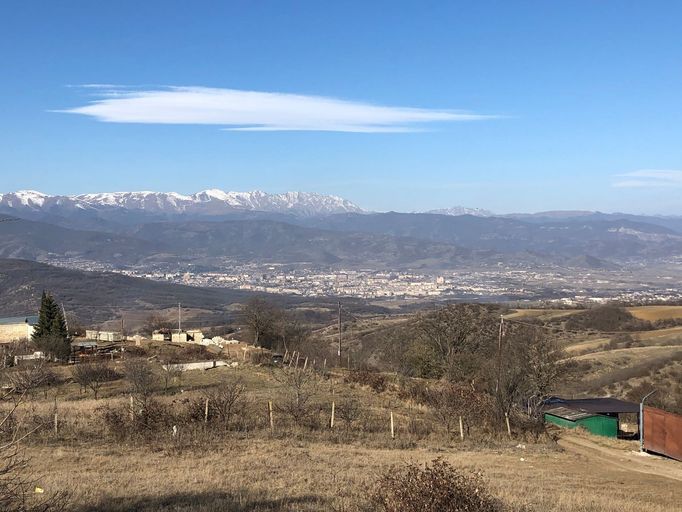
598,424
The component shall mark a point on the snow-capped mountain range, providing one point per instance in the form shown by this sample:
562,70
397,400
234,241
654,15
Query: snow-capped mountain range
207,202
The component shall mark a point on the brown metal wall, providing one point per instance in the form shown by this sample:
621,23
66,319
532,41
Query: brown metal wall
663,432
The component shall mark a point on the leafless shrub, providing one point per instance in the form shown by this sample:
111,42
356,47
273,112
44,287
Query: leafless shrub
30,378
116,421
141,379
16,480
93,373
349,411
450,401
299,390
170,372
435,487
136,421
367,377
225,402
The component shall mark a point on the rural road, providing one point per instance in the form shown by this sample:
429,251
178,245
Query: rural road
623,459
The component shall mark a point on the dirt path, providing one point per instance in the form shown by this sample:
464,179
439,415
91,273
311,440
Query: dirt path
624,459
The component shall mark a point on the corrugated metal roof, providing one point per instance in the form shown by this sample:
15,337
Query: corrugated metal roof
597,405
28,319
568,413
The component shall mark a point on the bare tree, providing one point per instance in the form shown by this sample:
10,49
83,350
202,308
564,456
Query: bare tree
450,401
300,388
293,334
93,374
27,379
226,400
532,367
348,410
142,381
170,370
260,317
156,322
459,336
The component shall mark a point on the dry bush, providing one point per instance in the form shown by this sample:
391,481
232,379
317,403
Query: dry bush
226,403
16,480
93,373
31,377
170,373
299,392
435,487
349,411
261,357
17,485
415,390
450,401
141,379
367,377
138,422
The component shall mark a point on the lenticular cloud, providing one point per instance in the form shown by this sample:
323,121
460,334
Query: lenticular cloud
257,111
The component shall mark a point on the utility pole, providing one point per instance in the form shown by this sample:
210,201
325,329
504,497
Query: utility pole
499,354
66,322
339,351
641,421
179,317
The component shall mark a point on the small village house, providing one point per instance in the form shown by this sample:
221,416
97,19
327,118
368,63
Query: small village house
17,328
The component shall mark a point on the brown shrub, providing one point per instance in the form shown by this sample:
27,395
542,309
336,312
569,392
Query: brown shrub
435,487
369,378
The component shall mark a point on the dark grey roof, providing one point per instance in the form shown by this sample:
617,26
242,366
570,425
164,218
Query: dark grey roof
28,319
596,405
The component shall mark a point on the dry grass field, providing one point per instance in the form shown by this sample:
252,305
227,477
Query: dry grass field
279,473
654,313
296,468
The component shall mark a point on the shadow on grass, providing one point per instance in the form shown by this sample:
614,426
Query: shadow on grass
206,502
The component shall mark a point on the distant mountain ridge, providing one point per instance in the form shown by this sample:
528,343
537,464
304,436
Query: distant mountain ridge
206,202
455,211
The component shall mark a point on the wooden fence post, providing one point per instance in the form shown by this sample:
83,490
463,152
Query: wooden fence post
272,420
305,363
506,419
206,412
324,364
56,423
461,429
331,422
132,409
392,427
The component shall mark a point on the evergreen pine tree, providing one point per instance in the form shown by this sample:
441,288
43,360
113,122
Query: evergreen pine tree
44,320
58,326
51,334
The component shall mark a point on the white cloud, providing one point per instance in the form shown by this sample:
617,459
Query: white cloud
649,178
256,111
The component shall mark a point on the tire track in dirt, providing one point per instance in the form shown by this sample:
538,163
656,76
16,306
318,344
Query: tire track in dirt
623,460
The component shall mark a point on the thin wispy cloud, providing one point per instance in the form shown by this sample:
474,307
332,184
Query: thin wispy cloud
649,178
239,110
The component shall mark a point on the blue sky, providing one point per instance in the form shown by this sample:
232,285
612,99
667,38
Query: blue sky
520,106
